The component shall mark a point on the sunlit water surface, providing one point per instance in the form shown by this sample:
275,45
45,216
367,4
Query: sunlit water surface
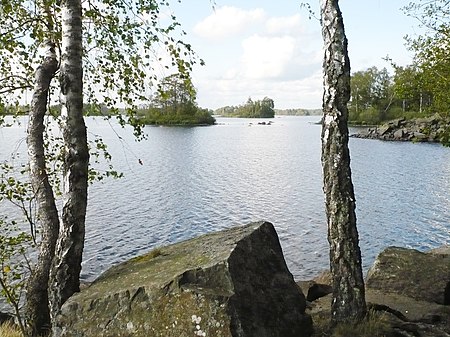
201,179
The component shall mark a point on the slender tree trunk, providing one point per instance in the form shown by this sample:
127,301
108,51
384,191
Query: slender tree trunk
37,310
348,303
65,274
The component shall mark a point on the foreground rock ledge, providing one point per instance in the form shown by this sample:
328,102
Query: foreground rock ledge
421,276
230,283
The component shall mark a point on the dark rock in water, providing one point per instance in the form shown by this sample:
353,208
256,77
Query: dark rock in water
233,283
421,276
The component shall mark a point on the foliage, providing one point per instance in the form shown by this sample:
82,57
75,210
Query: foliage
432,50
251,109
299,112
16,189
16,241
371,95
175,92
377,96
125,43
433,58
14,264
445,137
417,90
408,87
201,116
431,14
174,104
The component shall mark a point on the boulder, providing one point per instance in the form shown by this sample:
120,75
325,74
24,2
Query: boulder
384,129
318,287
408,272
419,136
396,123
233,283
318,290
399,134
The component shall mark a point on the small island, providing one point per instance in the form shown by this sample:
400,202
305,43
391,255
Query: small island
175,104
251,109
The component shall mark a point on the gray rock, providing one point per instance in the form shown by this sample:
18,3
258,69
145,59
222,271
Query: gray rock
435,119
421,276
443,250
384,129
420,136
399,134
233,283
396,123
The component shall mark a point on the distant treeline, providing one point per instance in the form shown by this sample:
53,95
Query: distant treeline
251,109
298,112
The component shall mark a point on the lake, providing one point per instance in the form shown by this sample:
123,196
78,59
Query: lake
199,179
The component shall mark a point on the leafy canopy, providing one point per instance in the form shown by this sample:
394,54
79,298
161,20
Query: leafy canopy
125,45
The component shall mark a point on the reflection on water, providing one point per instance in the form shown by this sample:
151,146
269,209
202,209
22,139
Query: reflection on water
196,180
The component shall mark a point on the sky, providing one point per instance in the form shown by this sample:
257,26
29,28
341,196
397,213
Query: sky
258,48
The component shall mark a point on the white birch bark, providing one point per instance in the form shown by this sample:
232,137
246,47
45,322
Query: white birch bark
67,263
348,302
37,313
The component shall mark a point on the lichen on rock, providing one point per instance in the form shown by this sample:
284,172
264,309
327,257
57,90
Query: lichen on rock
233,283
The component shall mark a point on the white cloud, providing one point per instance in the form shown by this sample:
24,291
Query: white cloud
299,93
266,57
274,56
290,25
227,21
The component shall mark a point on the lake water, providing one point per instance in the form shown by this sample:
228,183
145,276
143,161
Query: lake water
200,179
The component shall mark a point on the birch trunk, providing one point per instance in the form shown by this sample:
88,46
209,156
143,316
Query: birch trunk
37,310
65,273
348,302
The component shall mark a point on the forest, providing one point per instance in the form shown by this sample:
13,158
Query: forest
251,109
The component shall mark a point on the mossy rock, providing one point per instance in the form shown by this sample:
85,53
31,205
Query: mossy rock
409,272
232,283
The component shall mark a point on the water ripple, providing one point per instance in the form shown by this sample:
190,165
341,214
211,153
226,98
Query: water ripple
197,180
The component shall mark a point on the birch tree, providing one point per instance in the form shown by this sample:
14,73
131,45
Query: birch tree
121,46
66,269
348,301
37,310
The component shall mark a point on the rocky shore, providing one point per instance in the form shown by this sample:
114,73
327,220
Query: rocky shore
428,129
235,283
407,291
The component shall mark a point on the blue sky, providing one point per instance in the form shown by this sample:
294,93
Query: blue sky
271,48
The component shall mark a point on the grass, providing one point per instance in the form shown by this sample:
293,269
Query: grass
149,256
9,330
375,325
